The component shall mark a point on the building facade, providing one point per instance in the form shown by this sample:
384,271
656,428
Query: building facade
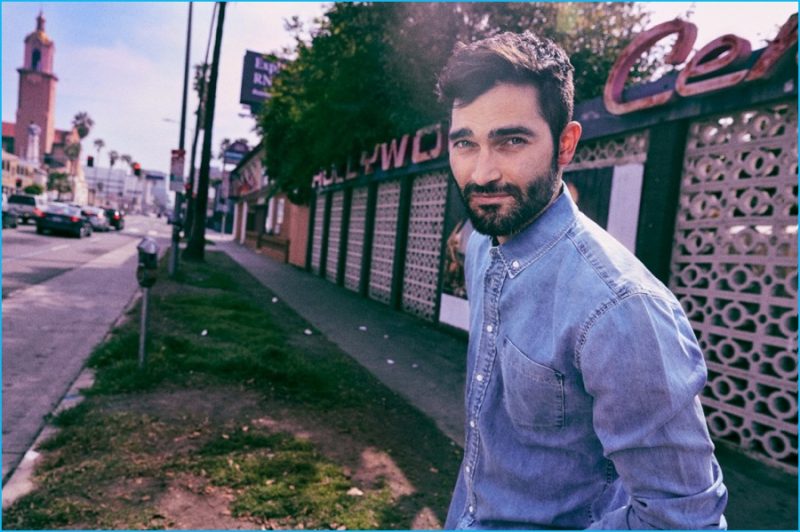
264,218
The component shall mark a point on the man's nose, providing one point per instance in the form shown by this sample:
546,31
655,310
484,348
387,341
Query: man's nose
486,169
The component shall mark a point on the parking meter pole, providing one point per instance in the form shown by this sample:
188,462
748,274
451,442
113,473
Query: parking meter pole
146,274
143,329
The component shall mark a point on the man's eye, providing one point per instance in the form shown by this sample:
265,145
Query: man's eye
462,144
515,141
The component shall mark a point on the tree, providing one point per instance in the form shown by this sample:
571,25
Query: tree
59,181
365,72
72,152
113,156
99,144
35,189
83,123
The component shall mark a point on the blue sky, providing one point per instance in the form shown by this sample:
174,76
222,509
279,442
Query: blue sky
122,62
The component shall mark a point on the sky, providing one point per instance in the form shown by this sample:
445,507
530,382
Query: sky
122,62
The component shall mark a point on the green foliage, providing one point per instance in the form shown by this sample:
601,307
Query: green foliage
83,123
59,181
368,70
34,189
72,151
277,476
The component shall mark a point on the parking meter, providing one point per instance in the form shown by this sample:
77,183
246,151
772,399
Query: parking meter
147,270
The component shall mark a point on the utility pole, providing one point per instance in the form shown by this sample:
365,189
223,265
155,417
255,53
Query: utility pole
176,217
198,126
195,248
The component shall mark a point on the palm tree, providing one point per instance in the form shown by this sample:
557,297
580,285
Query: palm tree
83,123
113,156
112,160
73,152
99,144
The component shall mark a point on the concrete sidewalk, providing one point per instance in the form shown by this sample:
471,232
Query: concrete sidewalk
426,366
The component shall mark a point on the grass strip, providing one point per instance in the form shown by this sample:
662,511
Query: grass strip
216,337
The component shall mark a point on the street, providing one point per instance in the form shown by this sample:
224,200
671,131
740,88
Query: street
60,297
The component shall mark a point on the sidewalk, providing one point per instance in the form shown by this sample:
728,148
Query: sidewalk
426,366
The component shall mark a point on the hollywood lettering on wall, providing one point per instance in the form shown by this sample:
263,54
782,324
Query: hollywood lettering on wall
427,144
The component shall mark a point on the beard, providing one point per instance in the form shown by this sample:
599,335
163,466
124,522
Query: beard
500,220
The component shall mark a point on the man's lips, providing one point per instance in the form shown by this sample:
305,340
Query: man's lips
488,198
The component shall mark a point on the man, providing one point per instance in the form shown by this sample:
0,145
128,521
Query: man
583,371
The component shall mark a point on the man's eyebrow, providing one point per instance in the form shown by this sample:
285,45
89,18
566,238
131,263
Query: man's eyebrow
511,131
458,134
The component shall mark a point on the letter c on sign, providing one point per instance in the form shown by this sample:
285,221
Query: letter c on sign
612,93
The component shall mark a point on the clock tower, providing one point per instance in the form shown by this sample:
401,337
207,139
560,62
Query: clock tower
37,96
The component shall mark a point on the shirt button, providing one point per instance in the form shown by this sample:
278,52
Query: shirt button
467,469
479,377
472,509
515,264
472,423
489,328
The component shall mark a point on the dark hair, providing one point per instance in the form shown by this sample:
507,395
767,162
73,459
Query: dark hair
518,59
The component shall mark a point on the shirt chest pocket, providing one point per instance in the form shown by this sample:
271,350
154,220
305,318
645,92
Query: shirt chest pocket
533,394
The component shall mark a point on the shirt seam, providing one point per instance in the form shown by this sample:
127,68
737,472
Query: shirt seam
540,253
601,311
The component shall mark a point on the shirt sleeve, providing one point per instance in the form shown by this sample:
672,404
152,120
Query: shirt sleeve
641,363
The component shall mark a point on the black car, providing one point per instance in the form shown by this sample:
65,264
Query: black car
116,218
62,218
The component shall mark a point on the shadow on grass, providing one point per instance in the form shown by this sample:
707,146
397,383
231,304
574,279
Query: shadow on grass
214,326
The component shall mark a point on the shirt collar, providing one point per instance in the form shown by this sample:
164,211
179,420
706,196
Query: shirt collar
531,243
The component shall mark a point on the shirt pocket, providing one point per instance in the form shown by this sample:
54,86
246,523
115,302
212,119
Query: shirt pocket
533,394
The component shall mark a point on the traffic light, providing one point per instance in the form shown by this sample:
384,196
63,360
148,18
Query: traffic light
90,161
137,169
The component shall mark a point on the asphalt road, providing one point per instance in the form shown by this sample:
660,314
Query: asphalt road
60,297
30,259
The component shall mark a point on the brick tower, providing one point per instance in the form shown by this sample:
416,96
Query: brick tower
37,93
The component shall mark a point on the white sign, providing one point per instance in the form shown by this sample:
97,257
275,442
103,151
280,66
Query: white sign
176,170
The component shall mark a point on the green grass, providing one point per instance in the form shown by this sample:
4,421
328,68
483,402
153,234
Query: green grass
108,465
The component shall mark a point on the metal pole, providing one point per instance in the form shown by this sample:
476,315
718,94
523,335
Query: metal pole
143,329
176,214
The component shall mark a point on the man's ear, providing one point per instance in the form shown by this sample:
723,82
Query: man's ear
568,142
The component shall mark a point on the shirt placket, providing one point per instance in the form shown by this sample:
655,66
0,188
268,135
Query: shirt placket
485,359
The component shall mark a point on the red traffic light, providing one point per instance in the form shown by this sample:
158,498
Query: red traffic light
90,161
137,169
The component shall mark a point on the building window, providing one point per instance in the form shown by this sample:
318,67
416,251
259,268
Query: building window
36,59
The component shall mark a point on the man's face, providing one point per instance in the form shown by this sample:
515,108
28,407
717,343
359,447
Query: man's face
502,157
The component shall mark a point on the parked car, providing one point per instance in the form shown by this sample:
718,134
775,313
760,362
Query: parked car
27,207
9,215
62,218
116,218
97,217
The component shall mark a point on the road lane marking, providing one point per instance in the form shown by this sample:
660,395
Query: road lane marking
35,253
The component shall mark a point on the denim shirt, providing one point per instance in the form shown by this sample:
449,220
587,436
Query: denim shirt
582,401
